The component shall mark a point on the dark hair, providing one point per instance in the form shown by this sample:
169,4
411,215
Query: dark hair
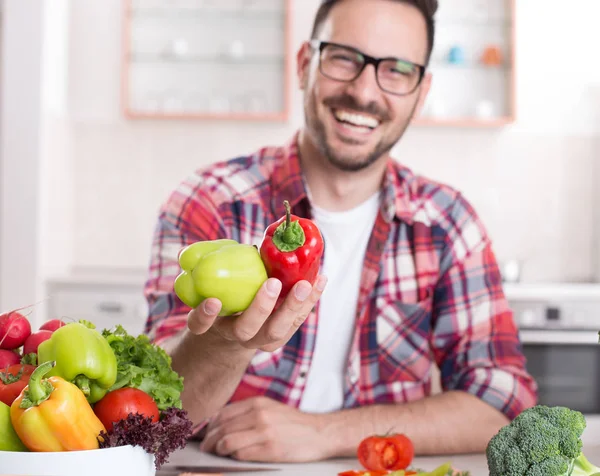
426,7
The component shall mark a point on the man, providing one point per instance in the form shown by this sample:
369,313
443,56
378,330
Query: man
411,277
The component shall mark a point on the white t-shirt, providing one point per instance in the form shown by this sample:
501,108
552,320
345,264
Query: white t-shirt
346,235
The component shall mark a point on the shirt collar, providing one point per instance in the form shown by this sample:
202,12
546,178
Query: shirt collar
396,193
287,180
287,183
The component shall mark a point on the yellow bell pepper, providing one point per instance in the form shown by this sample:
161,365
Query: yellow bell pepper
52,414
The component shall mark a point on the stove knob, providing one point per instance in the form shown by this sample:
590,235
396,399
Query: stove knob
527,318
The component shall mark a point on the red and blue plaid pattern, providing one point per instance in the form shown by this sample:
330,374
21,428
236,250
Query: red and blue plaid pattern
430,293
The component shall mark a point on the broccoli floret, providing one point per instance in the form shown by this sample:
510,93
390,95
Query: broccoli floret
541,441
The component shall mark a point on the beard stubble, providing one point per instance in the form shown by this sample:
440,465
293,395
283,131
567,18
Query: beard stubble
351,163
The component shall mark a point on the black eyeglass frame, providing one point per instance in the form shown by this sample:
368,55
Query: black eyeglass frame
321,45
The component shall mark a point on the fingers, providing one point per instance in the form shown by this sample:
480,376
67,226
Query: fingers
217,431
236,410
203,317
247,325
259,452
290,315
258,325
238,443
239,425
234,417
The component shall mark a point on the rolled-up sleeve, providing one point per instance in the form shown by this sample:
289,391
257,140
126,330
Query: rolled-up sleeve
475,339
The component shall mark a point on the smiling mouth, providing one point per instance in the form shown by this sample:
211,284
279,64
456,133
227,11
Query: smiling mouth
356,120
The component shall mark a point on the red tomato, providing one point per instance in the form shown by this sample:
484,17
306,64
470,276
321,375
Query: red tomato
372,473
13,380
386,452
118,404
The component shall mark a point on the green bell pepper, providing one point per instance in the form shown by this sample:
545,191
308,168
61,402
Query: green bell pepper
224,269
9,440
82,357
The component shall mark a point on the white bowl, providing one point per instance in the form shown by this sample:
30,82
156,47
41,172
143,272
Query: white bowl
119,461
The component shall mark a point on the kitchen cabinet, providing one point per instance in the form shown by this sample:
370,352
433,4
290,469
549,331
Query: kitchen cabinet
203,59
473,65
105,302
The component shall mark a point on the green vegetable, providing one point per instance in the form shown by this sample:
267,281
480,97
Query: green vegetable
442,470
9,440
542,440
82,357
143,365
222,269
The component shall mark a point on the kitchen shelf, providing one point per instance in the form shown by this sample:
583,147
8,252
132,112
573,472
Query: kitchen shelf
205,14
206,60
466,92
136,58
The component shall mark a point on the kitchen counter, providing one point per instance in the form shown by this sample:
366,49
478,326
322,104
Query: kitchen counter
475,464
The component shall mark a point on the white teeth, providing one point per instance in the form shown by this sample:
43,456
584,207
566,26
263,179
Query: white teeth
357,119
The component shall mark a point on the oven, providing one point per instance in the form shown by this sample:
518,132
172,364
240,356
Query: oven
561,343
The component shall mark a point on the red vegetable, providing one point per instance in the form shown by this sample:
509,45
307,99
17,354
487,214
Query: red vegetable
13,380
14,330
8,358
385,452
52,325
372,473
118,404
291,250
34,340
368,473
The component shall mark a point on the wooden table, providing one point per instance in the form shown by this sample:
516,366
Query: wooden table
476,464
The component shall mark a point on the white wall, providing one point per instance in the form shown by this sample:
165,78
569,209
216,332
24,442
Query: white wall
35,230
530,182
20,111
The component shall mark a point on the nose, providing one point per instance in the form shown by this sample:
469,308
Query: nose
365,87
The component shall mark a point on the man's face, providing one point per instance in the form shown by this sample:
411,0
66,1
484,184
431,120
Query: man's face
354,123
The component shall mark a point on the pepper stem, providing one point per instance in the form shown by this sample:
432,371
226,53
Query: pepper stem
38,389
83,383
288,236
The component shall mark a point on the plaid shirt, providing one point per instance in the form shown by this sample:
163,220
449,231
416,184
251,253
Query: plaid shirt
430,290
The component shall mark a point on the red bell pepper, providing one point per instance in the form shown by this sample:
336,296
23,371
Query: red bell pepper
291,251
13,380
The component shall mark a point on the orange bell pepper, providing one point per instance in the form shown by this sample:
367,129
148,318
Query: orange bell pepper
52,414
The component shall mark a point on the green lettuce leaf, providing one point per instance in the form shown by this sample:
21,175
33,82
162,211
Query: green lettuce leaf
144,365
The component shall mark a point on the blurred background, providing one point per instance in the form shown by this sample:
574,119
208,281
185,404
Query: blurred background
107,105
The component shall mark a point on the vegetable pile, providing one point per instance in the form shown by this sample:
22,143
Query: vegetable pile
70,387
144,366
391,455
232,272
541,440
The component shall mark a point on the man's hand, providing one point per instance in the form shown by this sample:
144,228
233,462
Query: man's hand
262,429
258,327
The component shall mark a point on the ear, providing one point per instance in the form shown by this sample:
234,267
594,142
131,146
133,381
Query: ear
423,91
302,64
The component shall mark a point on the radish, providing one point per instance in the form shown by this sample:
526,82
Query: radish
8,358
14,330
52,325
34,340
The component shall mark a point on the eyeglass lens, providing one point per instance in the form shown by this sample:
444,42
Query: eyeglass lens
344,64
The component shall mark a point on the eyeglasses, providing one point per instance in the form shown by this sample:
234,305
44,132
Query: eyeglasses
345,63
